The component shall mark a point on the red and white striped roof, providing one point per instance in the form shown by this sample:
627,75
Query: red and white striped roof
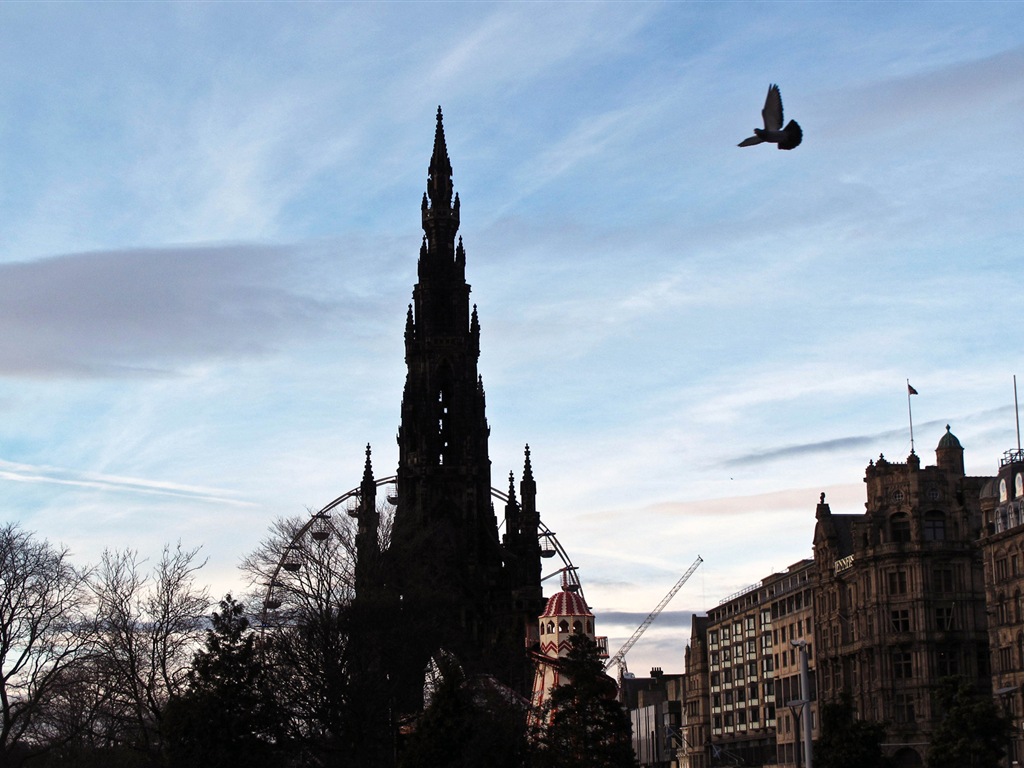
566,603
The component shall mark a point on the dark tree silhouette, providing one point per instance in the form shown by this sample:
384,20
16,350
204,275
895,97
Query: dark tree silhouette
227,717
846,742
468,723
585,724
44,636
973,733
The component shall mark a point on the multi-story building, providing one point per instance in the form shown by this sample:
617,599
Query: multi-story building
1002,503
748,641
741,680
692,749
792,637
900,600
654,705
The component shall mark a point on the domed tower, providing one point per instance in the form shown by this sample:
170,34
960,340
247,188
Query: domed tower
949,454
565,615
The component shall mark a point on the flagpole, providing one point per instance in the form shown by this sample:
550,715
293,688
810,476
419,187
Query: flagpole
910,413
1016,410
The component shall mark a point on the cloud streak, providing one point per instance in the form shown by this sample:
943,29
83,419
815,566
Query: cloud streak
27,473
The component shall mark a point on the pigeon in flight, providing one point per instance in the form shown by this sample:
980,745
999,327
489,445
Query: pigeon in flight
785,138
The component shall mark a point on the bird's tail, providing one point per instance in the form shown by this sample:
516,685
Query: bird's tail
793,135
750,142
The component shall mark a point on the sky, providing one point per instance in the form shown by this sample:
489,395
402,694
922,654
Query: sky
209,226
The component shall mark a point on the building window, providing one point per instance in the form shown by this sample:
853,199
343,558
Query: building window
934,526
902,665
942,580
898,583
903,708
899,528
899,620
944,618
947,663
1001,571
1005,660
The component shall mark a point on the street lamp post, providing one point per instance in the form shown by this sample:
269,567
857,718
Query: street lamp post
805,702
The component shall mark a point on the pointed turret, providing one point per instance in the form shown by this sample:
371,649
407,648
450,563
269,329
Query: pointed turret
367,541
440,213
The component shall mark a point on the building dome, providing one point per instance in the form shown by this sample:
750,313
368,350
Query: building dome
948,440
566,603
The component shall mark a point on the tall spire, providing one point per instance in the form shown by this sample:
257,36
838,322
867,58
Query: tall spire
439,181
440,212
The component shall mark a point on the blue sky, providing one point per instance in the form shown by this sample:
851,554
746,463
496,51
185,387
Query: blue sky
209,224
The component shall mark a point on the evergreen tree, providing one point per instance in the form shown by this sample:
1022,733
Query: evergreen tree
468,723
846,742
973,732
586,725
227,717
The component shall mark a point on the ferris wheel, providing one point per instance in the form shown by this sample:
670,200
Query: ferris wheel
320,534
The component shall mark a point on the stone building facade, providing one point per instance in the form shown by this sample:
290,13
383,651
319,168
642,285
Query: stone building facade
1002,545
900,601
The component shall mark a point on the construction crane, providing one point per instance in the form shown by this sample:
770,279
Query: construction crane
620,656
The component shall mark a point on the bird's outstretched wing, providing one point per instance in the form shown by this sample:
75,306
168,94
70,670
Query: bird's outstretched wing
772,112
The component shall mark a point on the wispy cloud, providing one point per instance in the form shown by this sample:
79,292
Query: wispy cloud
27,473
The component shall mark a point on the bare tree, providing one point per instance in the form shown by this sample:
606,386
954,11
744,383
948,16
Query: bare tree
303,575
43,632
148,627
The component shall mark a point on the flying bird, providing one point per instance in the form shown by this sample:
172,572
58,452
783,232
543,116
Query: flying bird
785,138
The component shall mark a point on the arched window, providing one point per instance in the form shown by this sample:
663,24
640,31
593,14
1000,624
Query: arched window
934,526
563,626
577,627
899,528
551,627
